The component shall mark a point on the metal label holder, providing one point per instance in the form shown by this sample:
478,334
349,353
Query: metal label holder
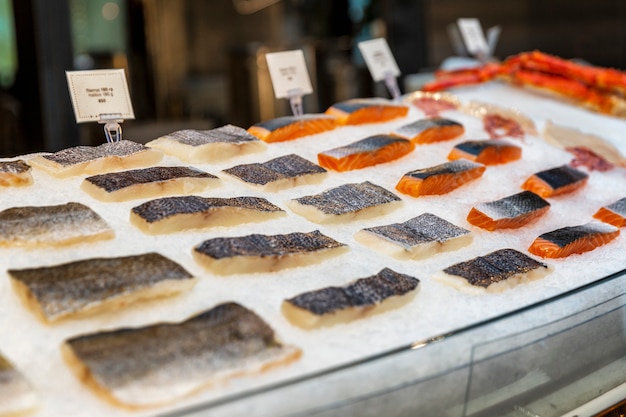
295,101
112,128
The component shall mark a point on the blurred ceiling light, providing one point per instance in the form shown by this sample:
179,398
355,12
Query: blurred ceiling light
110,11
252,6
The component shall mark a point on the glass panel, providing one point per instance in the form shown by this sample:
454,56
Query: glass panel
8,59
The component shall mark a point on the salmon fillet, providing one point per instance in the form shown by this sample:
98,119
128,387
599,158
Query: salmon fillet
368,110
510,212
556,181
566,241
439,179
430,130
614,213
287,128
487,152
370,151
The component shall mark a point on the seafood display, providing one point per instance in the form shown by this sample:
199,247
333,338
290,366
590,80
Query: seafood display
495,272
101,284
58,225
363,153
288,128
15,173
266,253
556,181
439,179
17,395
366,110
279,173
147,183
430,130
486,152
566,241
90,160
384,291
174,214
614,213
595,88
200,146
347,202
417,238
157,364
510,212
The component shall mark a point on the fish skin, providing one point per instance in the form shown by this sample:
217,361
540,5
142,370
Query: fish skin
424,228
164,362
362,293
509,212
17,395
453,167
283,167
50,225
266,245
372,150
14,167
614,213
119,180
227,134
569,240
70,288
558,180
15,173
349,198
162,208
80,154
494,267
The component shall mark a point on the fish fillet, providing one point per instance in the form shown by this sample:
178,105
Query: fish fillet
366,110
556,181
202,146
175,214
566,241
15,174
263,253
345,203
510,212
287,128
417,238
147,183
96,285
373,150
165,362
91,160
440,179
614,213
364,297
431,130
17,395
486,152
495,272
279,173
59,225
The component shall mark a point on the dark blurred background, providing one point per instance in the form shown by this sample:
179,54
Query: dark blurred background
200,64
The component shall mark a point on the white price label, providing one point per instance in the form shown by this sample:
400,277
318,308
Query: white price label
289,73
379,59
99,92
473,36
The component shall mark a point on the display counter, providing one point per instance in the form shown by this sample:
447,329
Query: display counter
543,348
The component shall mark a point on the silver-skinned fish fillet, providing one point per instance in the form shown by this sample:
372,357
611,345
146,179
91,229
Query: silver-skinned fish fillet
147,183
279,173
64,224
15,173
17,395
90,160
201,146
174,214
263,253
366,296
417,238
347,202
100,284
162,363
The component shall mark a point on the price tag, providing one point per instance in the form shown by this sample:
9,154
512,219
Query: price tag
379,59
99,92
473,36
289,74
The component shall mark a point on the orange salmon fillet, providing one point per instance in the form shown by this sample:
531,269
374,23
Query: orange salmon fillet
566,241
361,111
614,214
287,128
370,151
511,212
556,181
487,152
440,179
431,130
